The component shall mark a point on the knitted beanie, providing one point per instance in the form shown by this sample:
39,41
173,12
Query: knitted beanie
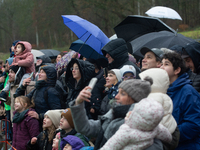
137,89
68,115
14,68
128,69
118,74
55,116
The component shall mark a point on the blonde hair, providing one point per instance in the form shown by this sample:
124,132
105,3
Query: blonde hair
51,132
25,100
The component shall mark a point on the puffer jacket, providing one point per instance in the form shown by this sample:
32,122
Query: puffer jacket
87,71
24,131
186,101
118,50
26,58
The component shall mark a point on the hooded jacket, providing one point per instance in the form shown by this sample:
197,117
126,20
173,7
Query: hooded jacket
45,60
186,102
26,58
140,129
24,131
118,50
87,71
158,92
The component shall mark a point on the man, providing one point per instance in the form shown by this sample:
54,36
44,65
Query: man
186,101
116,51
152,58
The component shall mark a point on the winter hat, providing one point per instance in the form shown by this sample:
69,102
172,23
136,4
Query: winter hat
146,115
137,89
118,74
14,68
128,69
55,116
9,60
50,72
74,141
68,115
15,42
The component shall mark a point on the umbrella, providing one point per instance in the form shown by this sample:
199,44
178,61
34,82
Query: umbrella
134,26
36,53
162,39
50,52
86,31
85,50
163,12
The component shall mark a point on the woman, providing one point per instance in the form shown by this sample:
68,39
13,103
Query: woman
130,91
77,76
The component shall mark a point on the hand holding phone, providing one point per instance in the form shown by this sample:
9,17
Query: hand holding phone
92,83
31,75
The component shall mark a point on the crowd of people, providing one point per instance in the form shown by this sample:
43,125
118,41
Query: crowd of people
152,105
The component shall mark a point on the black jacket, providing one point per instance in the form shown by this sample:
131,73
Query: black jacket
195,78
118,50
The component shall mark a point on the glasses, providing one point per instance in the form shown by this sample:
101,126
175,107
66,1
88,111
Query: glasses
76,68
128,77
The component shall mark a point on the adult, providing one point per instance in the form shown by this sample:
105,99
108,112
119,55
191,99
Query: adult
152,58
130,91
116,51
59,56
186,101
42,60
78,75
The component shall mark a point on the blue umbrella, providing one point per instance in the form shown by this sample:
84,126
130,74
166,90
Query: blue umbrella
85,50
86,31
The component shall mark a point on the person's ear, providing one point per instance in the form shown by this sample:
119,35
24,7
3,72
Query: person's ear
25,105
159,64
177,71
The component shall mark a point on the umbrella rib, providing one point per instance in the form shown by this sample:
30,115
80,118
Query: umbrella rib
84,43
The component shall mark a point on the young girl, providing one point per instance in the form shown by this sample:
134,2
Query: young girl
24,126
45,139
55,145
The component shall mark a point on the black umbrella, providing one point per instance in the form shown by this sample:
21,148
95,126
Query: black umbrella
135,26
50,52
162,39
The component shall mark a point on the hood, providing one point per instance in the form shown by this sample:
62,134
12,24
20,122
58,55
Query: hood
146,115
10,60
87,70
118,50
179,83
19,74
51,74
27,46
74,141
193,50
45,59
160,79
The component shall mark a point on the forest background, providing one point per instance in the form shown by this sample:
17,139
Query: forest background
40,21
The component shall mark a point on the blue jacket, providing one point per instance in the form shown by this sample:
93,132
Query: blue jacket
186,102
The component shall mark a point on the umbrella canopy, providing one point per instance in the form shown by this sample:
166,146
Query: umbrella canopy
163,12
50,52
36,53
162,39
135,26
85,50
86,31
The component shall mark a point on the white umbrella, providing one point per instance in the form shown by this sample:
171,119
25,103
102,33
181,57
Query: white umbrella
163,12
36,53
114,36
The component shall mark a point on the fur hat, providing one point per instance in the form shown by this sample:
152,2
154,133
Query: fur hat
136,88
68,115
118,74
55,116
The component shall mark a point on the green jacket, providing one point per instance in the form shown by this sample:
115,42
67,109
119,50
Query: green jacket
7,107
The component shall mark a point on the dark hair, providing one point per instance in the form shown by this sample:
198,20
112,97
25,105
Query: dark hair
23,47
176,61
61,54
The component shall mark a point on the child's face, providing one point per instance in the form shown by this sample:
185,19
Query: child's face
55,141
128,76
18,49
64,124
18,106
47,122
67,147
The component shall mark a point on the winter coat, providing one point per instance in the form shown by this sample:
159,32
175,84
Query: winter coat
26,58
158,92
195,78
140,129
13,88
24,131
87,71
42,143
186,102
118,50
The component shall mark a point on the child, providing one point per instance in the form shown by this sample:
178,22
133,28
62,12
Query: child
140,128
67,127
56,142
24,58
128,72
24,126
45,139
71,142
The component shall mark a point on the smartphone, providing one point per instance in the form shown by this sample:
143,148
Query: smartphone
92,83
105,70
31,75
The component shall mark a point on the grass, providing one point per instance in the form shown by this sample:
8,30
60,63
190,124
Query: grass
4,56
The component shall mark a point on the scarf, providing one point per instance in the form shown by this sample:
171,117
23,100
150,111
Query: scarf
39,84
18,117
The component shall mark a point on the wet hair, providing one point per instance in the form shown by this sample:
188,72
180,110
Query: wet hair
23,99
176,61
23,47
